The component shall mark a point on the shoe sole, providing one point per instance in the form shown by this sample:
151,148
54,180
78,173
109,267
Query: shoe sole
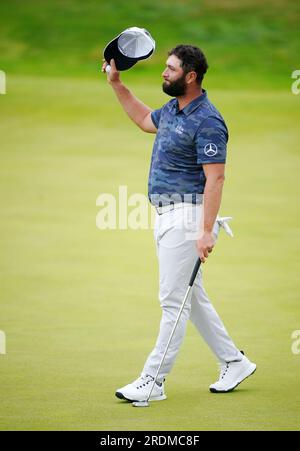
213,390
156,398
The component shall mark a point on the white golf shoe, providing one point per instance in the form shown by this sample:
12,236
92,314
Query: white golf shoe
139,390
232,374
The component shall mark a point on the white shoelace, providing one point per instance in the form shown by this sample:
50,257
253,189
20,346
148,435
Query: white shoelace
143,381
223,370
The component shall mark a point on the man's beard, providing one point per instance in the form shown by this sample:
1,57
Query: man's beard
175,88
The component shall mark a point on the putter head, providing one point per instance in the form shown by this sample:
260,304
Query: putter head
140,404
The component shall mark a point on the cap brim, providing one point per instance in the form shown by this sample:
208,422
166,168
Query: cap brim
122,62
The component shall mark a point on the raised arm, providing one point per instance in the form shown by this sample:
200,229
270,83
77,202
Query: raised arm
138,112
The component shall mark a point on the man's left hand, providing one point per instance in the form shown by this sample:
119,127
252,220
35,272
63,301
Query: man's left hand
205,245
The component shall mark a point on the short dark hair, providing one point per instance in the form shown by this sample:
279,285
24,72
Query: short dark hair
192,59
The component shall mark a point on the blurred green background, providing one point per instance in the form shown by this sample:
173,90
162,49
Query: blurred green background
248,40
79,305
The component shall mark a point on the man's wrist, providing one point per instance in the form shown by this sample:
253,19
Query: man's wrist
117,84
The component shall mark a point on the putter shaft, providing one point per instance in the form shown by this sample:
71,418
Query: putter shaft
192,279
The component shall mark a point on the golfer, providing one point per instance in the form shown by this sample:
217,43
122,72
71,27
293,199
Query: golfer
185,186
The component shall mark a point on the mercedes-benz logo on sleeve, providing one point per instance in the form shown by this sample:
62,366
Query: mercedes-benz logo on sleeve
210,150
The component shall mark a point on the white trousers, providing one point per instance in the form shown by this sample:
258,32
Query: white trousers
175,238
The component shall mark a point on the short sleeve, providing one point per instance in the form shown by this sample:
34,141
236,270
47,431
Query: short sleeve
155,116
211,141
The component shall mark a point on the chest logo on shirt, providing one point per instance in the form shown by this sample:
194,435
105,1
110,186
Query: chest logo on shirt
179,129
210,150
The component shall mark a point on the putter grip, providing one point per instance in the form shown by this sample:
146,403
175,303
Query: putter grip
195,271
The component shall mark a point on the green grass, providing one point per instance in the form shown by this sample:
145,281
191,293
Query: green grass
79,305
248,43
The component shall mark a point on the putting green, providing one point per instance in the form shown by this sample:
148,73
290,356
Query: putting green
79,306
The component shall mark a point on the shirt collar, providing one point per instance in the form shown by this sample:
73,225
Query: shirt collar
190,107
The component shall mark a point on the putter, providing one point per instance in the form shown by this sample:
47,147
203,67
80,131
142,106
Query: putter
192,279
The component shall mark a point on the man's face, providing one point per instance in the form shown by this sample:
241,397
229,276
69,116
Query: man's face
174,78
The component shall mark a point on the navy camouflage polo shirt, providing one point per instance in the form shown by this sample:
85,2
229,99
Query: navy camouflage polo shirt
185,140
